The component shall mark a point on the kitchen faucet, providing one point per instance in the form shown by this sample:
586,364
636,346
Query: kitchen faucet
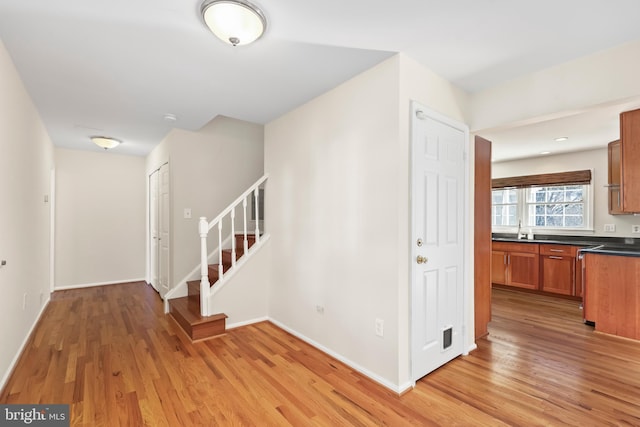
520,235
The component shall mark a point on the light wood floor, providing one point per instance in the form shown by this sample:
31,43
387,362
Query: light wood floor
113,356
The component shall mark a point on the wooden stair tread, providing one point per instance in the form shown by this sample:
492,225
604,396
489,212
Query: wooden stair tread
186,310
184,307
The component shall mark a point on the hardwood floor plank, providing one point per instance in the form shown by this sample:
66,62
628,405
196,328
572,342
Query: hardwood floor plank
113,355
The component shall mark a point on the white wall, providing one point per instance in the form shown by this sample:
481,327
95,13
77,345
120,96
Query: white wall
604,77
209,169
592,159
418,83
26,161
100,218
338,211
245,297
333,217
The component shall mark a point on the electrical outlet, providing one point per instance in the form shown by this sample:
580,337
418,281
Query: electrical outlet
379,327
610,228
635,228
319,309
187,213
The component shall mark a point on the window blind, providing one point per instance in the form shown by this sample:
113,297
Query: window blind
560,178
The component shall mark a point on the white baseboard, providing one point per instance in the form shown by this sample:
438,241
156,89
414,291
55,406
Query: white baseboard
470,349
91,285
247,322
399,389
13,363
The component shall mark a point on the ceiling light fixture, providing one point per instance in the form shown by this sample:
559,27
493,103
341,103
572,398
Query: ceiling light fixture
562,138
544,153
105,142
236,22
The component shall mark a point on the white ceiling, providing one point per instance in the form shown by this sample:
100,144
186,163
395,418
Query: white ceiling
116,67
587,129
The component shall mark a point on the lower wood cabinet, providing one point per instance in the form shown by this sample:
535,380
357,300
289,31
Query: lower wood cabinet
515,264
612,294
558,269
542,267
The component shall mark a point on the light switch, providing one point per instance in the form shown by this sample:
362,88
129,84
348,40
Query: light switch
187,213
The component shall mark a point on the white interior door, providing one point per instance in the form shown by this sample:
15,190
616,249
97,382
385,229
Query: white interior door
153,229
164,229
438,188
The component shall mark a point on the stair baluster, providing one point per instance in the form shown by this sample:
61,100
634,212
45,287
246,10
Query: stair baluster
245,243
233,240
256,193
204,268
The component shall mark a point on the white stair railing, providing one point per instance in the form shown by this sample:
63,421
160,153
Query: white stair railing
204,227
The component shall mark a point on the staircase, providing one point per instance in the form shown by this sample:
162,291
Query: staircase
186,310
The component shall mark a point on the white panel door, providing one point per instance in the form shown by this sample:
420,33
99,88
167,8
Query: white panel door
153,229
164,228
438,188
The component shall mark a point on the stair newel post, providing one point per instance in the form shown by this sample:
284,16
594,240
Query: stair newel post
256,194
203,228
220,266
245,243
233,237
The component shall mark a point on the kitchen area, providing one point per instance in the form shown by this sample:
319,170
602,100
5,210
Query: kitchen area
568,225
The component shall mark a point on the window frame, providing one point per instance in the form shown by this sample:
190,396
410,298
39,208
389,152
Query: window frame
523,214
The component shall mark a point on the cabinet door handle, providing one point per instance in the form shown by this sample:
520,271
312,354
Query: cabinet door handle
555,257
556,250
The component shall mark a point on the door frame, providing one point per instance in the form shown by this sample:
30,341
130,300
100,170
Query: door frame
467,282
149,244
151,206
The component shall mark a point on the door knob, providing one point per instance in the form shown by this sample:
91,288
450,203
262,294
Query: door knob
421,259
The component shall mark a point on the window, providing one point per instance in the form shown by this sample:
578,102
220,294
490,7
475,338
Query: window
554,201
504,209
559,206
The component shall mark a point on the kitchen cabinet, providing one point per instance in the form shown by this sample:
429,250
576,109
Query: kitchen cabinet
612,294
558,269
630,161
515,264
615,179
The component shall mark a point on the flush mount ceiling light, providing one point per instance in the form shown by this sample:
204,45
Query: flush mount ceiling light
236,22
562,138
105,142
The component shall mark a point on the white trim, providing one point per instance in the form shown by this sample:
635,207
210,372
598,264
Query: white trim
15,359
399,389
468,281
52,231
470,349
247,322
91,285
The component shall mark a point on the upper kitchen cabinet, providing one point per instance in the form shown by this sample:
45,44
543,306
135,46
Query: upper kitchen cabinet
630,161
615,179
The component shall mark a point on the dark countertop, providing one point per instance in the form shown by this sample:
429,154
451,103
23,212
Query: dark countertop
620,246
